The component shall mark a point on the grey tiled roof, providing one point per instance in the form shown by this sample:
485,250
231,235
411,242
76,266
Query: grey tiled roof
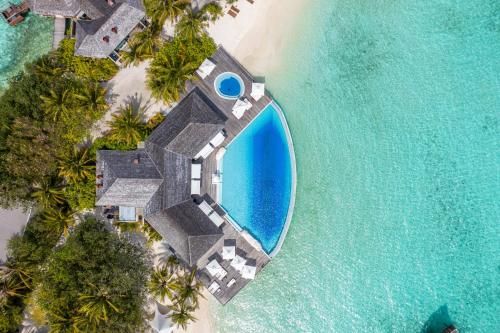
161,181
67,8
123,16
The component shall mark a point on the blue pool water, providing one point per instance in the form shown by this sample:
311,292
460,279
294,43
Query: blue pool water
258,178
229,85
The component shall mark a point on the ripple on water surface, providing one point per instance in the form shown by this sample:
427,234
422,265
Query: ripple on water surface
394,108
22,43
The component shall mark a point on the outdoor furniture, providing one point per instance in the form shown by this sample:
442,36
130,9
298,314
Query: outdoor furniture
230,283
228,252
205,151
216,218
195,186
217,140
205,68
214,287
248,272
221,274
205,207
258,91
232,13
235,9
216,178
214,268
238,263
240,107
195,171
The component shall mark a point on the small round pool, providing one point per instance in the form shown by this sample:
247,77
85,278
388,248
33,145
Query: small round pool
229,85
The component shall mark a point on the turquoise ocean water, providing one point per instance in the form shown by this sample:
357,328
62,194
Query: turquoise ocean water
394,109
22,43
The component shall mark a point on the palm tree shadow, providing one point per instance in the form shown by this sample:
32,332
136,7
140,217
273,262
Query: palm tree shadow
135,102
438,321
111,97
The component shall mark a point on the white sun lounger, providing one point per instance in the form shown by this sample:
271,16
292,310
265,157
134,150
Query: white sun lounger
222,274
240,107
195,171
205,68
214,287
216,218
205,151
205,208
217,140
258,91
195,186
230,283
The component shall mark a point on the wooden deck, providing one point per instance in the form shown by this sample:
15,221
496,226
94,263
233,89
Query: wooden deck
225,63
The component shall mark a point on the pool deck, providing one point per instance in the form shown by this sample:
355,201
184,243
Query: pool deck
233,127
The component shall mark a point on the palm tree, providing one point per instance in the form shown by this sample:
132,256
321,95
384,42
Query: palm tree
93,98
126,126
161,10
62,218
189,290
76,165
181,315
13,283
49,192
168,75
96,307
193,23
163,284
172,263
46,68
58,103
143,45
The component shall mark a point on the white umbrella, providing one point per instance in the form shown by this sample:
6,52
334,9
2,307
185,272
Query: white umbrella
258,91
214,267
238,262
228,252
161,323
248,272
205,68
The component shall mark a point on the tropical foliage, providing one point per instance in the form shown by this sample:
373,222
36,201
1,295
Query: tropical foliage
162,10
176,63
127,126
143,45
95,282
193,23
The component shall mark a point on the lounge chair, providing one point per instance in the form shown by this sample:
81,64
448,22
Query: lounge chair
251,1
216,218
205,152
195,171
230,283
195,186
258,91
234,9
232,13
205,69
222,274
240,107
205,208
214,287
217,140
216,178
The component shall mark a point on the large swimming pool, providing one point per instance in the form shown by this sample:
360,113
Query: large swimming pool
257,173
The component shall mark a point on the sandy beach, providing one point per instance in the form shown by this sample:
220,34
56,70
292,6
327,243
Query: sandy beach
11,221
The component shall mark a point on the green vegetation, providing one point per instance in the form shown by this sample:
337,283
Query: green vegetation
178,285
176,63
162,10
91,68
127,126
193,23
95,282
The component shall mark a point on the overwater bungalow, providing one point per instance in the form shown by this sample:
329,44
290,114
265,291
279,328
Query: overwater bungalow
173,180
15,13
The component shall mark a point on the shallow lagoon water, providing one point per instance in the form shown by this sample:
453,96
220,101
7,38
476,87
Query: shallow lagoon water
394,110
22,43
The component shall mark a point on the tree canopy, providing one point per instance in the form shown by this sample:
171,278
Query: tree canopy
95,282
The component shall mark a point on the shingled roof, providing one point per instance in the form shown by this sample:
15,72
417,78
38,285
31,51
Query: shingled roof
158,177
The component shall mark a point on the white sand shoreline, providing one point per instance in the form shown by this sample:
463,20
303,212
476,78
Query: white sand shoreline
256,38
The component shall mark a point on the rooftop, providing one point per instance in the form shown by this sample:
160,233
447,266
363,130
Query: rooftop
158,179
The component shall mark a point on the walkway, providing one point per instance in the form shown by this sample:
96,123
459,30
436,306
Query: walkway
59,24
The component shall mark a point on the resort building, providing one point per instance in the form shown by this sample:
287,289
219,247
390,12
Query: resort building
174,179
101,27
